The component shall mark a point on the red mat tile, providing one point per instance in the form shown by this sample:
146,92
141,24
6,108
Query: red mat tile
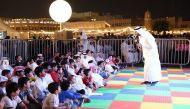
164,72
186,70
125,105
181,94
159,99
114,86
134,83
123,76
132,68
137,74
164,81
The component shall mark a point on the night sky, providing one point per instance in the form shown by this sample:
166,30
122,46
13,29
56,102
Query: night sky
126,8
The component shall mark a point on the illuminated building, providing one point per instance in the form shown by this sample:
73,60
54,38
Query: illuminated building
92,23
33,27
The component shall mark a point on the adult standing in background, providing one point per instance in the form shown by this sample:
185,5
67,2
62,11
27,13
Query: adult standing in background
152,67
84,40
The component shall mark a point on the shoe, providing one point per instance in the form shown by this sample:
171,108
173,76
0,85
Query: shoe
154,83
146,82
87,100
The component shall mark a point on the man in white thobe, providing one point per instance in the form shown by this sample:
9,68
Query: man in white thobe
152,67
84,41
124,50
91,46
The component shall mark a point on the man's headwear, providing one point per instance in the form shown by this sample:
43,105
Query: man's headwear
107,60
83,36
144,33
40,55
137,28
84,53
3,79
99,62
2,59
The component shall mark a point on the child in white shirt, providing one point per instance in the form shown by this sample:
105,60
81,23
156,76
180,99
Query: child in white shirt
52,100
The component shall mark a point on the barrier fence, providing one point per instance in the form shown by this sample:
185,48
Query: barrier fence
171,51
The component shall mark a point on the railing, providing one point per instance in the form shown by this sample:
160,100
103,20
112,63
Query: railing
125,49
174,51
171,51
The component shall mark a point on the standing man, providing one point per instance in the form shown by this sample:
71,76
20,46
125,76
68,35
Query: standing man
84,40
152,67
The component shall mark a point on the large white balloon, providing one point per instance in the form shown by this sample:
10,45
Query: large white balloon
60,11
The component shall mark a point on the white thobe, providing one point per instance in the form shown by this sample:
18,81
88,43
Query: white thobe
124,51
152,67
91,47
84,41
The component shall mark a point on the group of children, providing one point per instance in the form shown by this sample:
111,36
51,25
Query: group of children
64,81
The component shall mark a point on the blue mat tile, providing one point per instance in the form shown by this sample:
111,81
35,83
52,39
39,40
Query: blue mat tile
164,75
180,84
120,79
105,96
127,71
163,68
132,91
137,76
176,73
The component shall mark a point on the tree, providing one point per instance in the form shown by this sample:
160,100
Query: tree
160,25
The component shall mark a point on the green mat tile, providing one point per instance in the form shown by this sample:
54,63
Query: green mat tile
103,104
162,84
108,90
179,81
127,97
158,93
142,87
176,106
140,68
127,71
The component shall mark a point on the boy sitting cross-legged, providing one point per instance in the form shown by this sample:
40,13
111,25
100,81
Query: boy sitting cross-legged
52,100
71,97
26,94
12,100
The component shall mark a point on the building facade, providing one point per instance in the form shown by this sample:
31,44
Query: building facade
91,22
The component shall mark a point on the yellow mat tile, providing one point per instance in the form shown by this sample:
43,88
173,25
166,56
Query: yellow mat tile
136,79
164,78
149,105
139,72
164,71
175,70
117,82
180,100
173,75
124,74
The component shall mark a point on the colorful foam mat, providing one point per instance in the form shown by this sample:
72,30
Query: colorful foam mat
124,91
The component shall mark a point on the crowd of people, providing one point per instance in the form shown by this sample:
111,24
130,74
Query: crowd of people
64,81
